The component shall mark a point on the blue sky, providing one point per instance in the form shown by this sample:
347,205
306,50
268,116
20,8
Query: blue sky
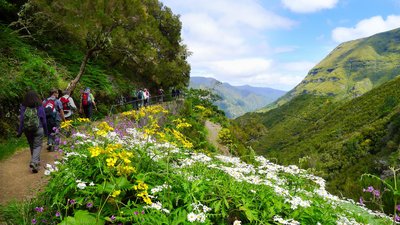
274,43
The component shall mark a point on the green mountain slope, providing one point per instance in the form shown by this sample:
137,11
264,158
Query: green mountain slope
352,68
236,100
339,140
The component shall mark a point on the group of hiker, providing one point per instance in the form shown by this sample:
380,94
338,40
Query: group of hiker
142,97
43,118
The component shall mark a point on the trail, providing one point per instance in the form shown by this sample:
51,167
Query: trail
17,181
212,137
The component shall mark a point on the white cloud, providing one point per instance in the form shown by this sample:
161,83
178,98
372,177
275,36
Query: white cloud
256,71
365,28
229,42
240,67
309,6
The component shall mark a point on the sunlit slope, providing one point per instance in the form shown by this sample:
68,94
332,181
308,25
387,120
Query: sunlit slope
340,140
352,68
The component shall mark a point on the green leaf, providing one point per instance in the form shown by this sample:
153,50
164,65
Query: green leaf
123,183
82,218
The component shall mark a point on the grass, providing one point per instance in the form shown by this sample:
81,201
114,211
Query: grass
10,146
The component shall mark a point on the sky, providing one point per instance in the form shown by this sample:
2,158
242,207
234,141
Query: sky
274,43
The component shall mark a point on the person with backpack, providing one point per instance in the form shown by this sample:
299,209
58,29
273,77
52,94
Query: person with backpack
54,115
160,93
87,103
68,105
32,122
146,95
140,96
134,98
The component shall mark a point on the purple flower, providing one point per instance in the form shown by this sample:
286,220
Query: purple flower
44,221
34,221
143,212
112,218
39,209
361,201
398,208
58,214
89,205
397,218
377,193
136,212
72,201
369,189
64,143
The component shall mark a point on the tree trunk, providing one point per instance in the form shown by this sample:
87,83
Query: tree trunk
72,85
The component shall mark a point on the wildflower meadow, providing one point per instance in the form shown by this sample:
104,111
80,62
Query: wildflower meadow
139,167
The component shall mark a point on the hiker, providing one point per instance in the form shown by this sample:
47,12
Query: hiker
146,95
54,115
68,105
32,122
161,94
140,96
87,103
173,93
134,97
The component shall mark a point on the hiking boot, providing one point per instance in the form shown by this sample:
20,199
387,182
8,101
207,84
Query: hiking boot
50,148
34,167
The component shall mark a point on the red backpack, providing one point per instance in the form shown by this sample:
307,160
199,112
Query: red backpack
65,103
50,108
85,99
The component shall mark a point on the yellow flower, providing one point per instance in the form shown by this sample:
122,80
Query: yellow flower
111,161
200,107
101,133
147,200
182,139
112,147
66,124
95,151
140,186
125,170
83,120
104,126
116,193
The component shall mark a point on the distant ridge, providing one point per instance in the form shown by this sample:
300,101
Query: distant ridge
351,69
237,100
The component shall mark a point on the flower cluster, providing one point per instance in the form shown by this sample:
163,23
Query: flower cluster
199,213
141,188
286,222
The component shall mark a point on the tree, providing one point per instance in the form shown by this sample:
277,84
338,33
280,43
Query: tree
131,32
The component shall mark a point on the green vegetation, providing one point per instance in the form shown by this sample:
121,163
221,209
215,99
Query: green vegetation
151,175
10,146
351,69
236,100
54,45
339,141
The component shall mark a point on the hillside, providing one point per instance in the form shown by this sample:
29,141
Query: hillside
338,140
236,100
352,68
341,121
114,54
130,177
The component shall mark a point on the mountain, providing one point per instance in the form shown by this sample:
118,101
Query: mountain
352,68
342,120
237,100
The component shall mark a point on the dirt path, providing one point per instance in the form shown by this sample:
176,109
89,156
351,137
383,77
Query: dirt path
213,130
17,180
